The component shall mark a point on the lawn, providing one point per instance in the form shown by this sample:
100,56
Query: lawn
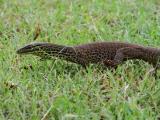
32,89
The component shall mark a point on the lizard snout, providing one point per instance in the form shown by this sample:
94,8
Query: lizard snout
26,49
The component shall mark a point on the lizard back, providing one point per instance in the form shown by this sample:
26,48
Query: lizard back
96,52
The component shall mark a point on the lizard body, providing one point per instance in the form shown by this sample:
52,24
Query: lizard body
110,54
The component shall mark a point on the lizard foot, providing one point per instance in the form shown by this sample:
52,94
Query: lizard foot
153,72
110,63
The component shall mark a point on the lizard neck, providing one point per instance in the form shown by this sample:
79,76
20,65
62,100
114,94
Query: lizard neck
59,51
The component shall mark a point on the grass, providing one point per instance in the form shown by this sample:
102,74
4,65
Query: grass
31,89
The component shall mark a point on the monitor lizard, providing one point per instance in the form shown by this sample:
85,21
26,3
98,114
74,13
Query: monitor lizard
110,54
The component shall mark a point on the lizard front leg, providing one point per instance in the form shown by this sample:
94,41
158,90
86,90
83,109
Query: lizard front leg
110,63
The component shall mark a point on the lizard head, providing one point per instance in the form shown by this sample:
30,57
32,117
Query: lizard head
40,49
31,48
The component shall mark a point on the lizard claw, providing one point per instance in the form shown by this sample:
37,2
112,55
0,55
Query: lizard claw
153,72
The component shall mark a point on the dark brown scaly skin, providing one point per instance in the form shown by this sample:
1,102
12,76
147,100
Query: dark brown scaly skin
110,54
